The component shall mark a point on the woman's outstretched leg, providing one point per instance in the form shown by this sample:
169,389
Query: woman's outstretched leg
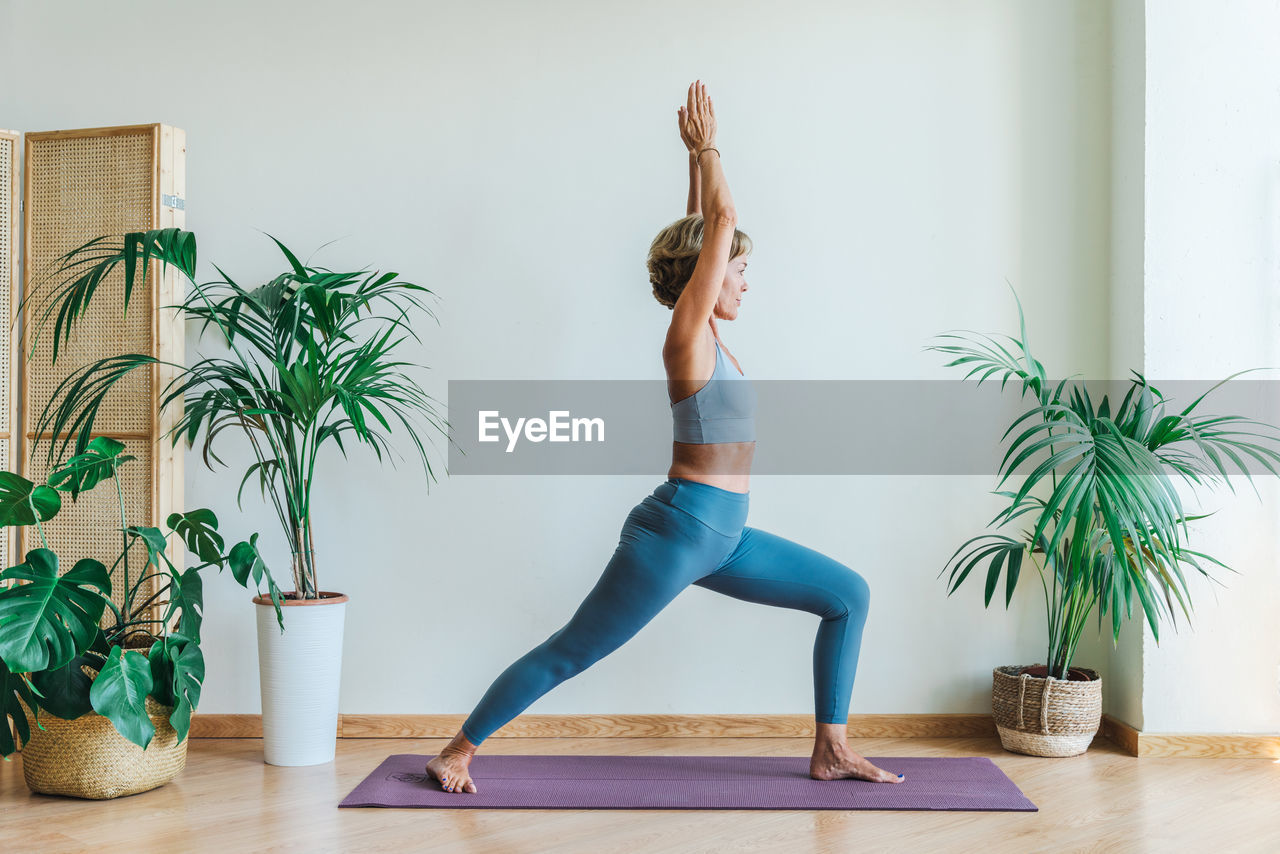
772,570
660,552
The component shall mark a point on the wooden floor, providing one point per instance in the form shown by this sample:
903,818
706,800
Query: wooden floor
227,800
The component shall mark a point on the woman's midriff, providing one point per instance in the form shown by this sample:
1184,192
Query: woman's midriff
726,465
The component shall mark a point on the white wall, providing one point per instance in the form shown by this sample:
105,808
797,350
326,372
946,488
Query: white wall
1212,259
895,163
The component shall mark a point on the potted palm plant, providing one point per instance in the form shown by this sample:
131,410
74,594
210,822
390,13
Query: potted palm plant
1111,530
104,710
307,364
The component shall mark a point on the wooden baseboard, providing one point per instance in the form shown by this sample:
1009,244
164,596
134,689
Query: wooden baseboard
231,726
1128,739
1132,741
1209,745
618,726
1120,734
669,726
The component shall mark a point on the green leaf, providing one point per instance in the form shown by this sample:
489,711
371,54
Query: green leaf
161,673
993,575
154,540
1011,575
188,670
48,621
65,691
17,495
298,269
245,561
266,470
99,462
199,530
83,269
73,407
14,692
187,594
277,599
106,447
119,694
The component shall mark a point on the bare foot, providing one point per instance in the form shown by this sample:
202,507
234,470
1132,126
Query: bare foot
841,763
450,767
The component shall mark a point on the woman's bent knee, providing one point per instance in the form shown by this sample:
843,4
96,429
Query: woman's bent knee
854,593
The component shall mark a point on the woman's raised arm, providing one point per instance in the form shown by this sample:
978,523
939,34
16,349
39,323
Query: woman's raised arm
698,299
700,124
695,176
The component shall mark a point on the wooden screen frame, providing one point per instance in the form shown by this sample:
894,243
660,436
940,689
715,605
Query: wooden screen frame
164,288
13,428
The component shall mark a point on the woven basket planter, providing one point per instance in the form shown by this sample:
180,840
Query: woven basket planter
1042,716
87,758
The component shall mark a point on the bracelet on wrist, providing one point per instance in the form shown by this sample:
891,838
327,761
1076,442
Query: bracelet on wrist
703,151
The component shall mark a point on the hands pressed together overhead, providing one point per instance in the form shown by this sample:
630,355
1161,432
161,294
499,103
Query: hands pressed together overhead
697,120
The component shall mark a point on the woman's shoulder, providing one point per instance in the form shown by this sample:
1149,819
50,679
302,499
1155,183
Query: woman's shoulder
684,344
689,357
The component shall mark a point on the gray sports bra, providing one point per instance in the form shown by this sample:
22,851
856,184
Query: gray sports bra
723,410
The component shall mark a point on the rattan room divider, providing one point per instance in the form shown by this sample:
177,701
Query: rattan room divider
79,185
9,207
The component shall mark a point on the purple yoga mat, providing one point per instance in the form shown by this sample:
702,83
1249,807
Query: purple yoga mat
690,782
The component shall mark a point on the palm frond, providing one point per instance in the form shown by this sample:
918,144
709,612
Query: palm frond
63,293
1112,527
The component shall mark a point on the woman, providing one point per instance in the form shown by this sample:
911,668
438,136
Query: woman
692,529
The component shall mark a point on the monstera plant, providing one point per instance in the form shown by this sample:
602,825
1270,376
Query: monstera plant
59,656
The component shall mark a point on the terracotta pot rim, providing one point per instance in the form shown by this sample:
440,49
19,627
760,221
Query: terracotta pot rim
327,597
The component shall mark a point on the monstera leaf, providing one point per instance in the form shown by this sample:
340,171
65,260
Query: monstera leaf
65,691
188,667
199,530
161,674
177,670
50,620
85,471
14,691
17,497
153,539
119,694
186,592
246,561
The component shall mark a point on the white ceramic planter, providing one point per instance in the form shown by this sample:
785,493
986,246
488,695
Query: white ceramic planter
300,672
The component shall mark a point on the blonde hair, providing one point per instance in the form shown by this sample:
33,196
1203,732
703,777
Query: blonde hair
674,253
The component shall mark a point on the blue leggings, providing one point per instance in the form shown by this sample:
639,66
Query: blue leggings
685,533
